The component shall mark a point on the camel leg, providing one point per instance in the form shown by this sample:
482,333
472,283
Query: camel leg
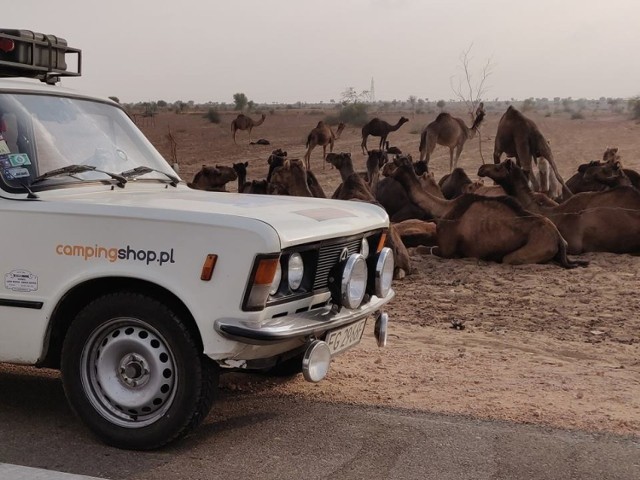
458,152
540,248
496,156
249,135
364,144
234,136
523,153
324,156
307,157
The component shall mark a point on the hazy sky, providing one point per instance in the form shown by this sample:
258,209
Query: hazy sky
297,50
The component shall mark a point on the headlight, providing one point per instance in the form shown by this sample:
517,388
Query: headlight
295,271
383,272
364,248
276,281
354,281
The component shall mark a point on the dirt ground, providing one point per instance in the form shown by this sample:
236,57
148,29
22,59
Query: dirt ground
540,344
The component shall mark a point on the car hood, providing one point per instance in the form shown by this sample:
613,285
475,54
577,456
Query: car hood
295,219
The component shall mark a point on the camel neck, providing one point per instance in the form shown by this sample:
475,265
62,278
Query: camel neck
437,207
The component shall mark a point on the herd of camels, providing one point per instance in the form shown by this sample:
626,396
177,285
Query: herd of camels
524,217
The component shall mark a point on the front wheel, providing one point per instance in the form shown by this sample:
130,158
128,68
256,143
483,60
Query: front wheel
132,372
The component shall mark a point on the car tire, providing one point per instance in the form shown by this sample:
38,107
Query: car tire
133,372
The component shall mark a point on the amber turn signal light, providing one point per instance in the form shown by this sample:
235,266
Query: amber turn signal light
383,239
208,266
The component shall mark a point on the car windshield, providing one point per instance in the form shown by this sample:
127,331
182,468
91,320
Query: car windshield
41,133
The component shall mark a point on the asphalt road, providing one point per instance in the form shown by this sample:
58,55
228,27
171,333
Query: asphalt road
249,437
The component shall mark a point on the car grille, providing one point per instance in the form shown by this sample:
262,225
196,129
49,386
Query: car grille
328,256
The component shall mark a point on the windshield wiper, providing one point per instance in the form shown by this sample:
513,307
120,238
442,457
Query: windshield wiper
142,170
70,170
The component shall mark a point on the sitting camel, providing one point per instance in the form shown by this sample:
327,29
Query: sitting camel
607,221
322,135
379,128
213,179
490,228
451,132
393,197
289,178
254,186
242,122
355,188
595,176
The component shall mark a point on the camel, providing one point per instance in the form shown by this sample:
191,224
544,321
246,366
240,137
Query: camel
242,122
379,128
607,221
375,161
322,135
275,160
597,176
213,179
393,197
519,137
354,188
449,132
241,171
290,178
490,228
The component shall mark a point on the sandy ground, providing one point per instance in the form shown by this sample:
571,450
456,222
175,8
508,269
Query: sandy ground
540,344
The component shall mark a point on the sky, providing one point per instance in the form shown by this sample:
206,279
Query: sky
287,51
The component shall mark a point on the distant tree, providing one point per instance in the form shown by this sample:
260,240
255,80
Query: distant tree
528,104
441,104
251,105
634,107
468,89
162,104
240,101
212,115
412,101
115,99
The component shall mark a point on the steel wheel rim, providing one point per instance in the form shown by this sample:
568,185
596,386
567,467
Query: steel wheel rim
128,373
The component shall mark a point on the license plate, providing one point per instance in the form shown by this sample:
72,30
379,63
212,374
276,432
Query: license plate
343,338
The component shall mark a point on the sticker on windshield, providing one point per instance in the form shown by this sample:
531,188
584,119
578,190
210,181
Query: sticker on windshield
4,148
17,172
19,159
21,281
4,161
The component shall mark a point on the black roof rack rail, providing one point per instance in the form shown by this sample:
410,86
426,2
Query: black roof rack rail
24,53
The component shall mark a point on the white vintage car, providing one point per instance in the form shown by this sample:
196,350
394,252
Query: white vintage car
142,290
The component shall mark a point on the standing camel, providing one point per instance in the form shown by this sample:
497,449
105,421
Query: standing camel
379,128
322,135
519,137
242,122
449,132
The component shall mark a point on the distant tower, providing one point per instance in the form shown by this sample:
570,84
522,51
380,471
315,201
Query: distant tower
372,92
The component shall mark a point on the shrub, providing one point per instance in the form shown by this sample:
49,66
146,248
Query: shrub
213,115
353,113
577,115
634,108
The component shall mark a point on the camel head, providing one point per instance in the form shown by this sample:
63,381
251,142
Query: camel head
212,178
339,160
290,177
609,173
388,169
498,172
241,168
586,166
279,152
480,114
402,121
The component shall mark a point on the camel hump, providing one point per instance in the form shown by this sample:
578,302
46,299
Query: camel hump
442,116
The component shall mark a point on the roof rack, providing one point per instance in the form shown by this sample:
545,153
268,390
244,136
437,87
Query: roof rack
24,53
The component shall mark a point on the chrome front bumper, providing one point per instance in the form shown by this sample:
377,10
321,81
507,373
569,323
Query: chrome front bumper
304,324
